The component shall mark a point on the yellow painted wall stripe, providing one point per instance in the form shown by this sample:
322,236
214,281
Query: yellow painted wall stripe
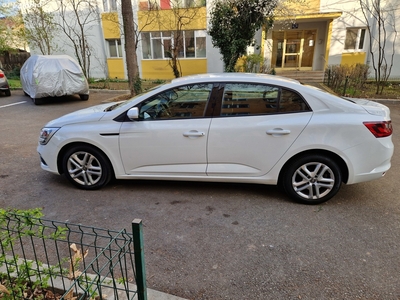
115,68
159,69
164,20
110,25
353,58
330,15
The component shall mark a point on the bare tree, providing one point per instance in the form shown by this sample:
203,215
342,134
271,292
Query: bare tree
380,19
39,27
181,17
76,18
131,32
130,47
149,17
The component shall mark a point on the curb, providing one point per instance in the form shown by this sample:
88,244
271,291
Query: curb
117,98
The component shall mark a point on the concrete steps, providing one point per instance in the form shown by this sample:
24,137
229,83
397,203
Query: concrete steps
303,76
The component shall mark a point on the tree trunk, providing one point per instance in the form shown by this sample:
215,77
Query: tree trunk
130,47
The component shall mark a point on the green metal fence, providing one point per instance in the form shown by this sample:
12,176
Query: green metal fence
43,259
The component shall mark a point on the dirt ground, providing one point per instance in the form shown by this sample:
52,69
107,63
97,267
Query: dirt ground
123,85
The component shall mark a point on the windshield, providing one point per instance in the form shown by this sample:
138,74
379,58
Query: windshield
121,103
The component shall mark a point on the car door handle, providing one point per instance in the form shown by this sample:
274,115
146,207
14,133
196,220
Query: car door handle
193,133
278,131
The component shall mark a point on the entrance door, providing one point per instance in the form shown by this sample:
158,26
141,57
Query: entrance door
293,49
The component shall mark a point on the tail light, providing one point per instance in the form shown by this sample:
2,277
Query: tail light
1,75
380,129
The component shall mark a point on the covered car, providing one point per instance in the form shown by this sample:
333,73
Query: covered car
53,76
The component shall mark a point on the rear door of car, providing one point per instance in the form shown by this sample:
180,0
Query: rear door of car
256,125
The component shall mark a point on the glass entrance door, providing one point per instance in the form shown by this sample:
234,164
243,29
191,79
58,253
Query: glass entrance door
293,49
293,46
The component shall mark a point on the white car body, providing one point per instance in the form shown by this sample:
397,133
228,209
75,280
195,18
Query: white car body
227,148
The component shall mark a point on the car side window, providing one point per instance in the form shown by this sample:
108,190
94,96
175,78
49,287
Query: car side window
290,101
256,99
187,101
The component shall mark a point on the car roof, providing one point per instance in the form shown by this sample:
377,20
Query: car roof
246,77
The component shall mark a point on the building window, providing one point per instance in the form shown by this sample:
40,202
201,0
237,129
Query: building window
114,48
200,43
110,5
355,38
158,45
169,4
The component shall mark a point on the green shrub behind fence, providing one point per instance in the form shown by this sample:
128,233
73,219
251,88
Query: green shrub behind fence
40,257
347,79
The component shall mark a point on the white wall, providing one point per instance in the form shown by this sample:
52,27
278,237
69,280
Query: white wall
214,57
353,17
93,32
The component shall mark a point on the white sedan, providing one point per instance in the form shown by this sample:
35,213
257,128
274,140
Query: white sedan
231,127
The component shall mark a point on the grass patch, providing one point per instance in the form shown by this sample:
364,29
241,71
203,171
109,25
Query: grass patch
14,83
391,91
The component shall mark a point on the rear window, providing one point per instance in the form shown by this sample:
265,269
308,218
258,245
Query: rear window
257,99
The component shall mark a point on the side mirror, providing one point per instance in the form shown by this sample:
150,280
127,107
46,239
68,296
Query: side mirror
133,113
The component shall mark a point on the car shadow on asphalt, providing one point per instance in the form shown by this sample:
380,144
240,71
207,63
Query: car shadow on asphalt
57,100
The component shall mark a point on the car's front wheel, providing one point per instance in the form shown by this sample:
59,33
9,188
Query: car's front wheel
312,179
87,167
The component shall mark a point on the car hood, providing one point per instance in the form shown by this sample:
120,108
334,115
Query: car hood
372,107
86,115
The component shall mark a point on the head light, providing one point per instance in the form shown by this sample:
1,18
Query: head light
46,133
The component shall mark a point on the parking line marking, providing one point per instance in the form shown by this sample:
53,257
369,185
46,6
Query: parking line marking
12,104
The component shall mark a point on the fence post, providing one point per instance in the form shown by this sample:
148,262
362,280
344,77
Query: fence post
329,77
345,85
138,247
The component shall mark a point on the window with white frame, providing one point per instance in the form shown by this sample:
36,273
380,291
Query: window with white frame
114,48
355,38
158,45
110,5
169,4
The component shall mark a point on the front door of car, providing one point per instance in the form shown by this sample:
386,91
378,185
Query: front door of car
170,137
257,125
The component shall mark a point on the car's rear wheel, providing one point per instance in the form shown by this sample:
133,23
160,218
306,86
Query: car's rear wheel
84,97
87,167
37,101
312,179
8,93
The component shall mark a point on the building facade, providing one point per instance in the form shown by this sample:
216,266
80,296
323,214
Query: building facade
306,37
325,32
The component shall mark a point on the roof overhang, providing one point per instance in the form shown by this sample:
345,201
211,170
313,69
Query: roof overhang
310,17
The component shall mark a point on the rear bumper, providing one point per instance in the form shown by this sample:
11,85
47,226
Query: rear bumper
374,162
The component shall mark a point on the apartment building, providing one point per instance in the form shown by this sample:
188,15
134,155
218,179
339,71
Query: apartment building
306,37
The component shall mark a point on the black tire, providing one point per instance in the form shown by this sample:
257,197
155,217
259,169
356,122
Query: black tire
312,179
87,167
84,97
37,101
8,93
